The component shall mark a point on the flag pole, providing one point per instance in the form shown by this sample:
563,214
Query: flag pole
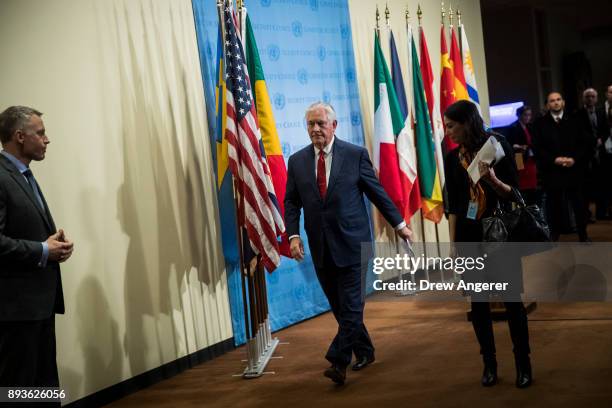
422,217
243,275
377,21
252,269
264,323
395,236
258,349
387,14
459,31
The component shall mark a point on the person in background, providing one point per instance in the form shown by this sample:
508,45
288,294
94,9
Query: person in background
561,150
595,124
468,205
521,139
608,102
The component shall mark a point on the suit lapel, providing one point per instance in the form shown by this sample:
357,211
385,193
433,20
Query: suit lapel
337,158
25,186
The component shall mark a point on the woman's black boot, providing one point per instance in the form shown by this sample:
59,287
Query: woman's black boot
489,374
523,371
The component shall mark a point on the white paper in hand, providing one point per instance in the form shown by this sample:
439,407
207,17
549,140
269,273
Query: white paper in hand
490,151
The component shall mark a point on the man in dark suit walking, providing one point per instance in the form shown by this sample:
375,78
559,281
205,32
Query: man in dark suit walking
562,151
595,124
30,252
328,179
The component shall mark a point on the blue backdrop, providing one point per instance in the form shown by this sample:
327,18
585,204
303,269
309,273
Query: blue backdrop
307,55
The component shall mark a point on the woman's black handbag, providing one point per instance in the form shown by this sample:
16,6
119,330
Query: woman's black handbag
522,223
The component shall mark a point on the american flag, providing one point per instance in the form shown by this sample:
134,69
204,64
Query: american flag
258,208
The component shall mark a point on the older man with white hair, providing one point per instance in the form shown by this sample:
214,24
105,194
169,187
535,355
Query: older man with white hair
595,124
328,180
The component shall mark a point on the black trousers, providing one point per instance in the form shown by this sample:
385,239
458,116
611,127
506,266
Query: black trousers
344,289
554,210
517,322
27,354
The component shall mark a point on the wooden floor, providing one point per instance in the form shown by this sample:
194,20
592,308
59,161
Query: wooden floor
427,355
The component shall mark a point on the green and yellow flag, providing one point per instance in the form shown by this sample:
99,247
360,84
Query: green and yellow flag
429,178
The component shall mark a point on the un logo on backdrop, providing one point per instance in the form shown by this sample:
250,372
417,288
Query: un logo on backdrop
279,101
314,5
344,31
321,52
302,76
273,52
296,27
326,97
209,51
286,153
355,118
299,292
266,3
350,75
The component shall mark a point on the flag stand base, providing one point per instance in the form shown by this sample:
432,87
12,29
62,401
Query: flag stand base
259,351
257,369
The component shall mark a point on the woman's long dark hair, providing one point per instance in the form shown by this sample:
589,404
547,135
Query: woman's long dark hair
466,113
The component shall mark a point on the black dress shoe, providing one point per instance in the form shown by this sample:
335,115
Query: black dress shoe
489,374
362,362
523,372
336,374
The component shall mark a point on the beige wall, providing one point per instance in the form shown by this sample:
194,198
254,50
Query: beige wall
363,22
128,175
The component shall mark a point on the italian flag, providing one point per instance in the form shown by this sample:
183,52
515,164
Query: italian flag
406,149
388,123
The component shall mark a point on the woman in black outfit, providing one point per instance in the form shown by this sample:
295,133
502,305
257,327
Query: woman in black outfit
468,204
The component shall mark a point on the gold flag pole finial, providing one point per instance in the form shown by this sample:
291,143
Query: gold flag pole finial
387,14
377,20
407,15
419,14
443,13
239,3
450,14
458,17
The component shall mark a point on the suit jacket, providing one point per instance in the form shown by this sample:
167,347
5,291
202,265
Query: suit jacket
340,221
27,291
567,138
602,130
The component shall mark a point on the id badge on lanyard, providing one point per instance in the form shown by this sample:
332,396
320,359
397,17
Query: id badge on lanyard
472,210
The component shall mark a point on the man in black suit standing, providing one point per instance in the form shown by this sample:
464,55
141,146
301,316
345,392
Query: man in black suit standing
562,151
31,250
595,125
328,179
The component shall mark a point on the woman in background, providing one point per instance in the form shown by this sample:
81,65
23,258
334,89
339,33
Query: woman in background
468,205
519,136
